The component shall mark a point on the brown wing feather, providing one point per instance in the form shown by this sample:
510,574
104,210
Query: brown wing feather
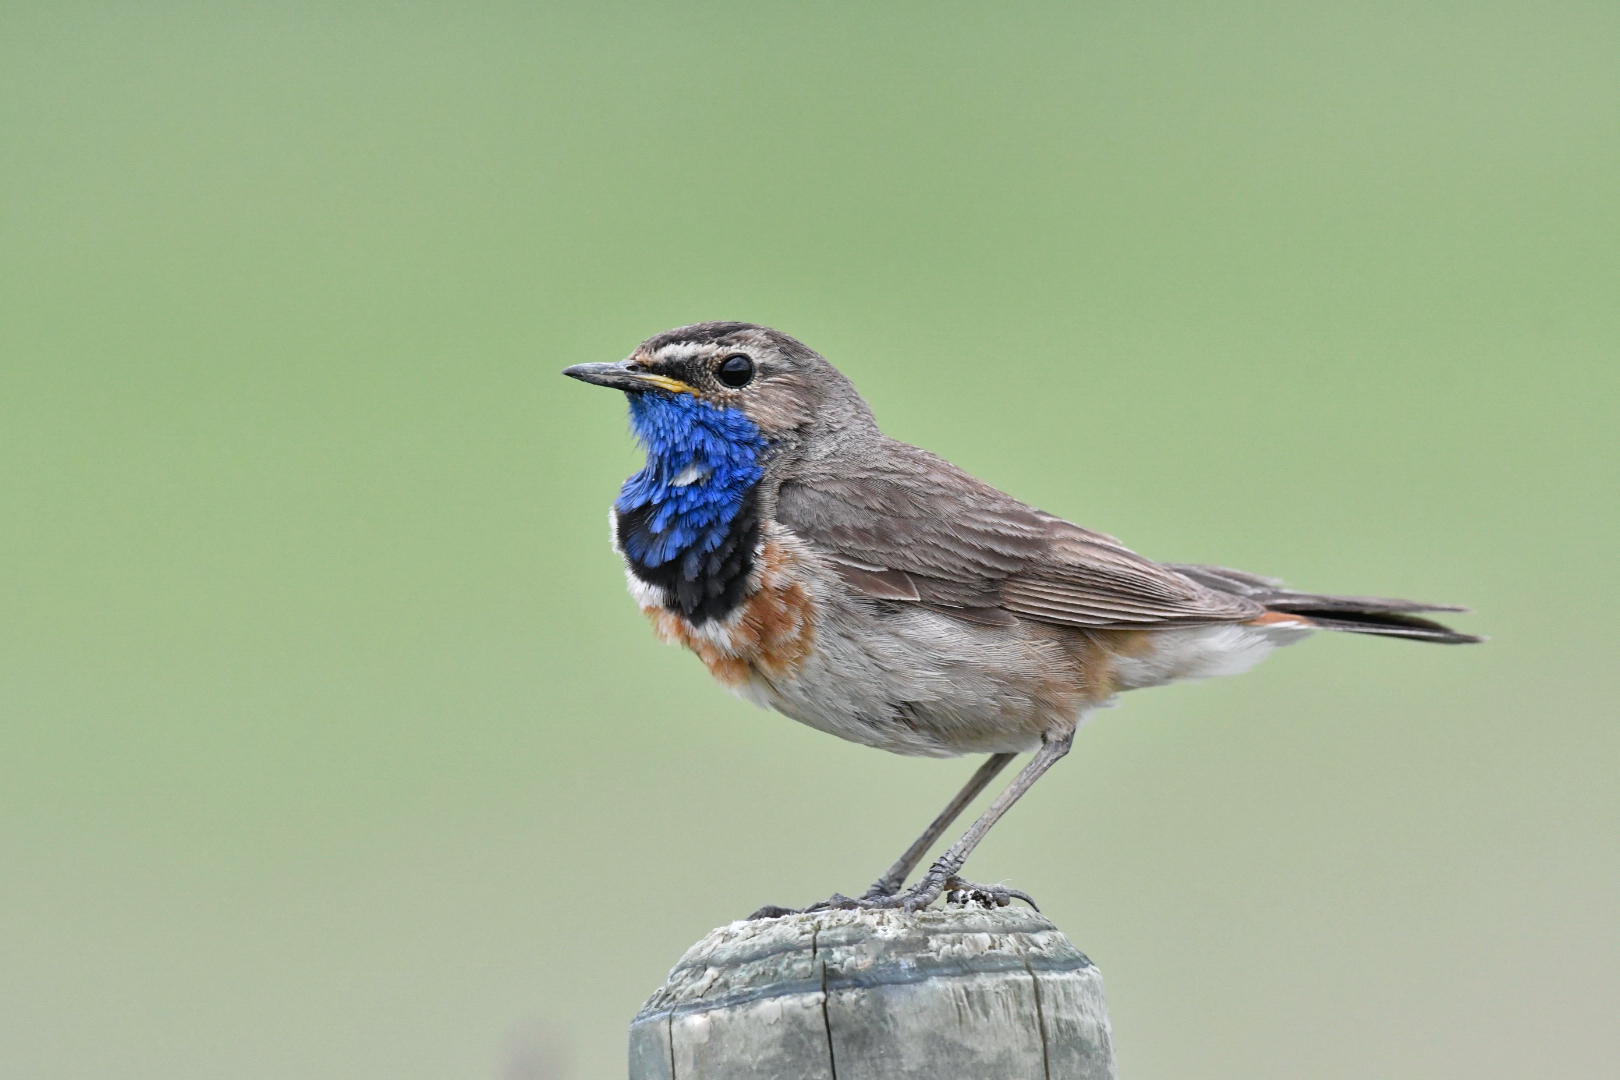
902,524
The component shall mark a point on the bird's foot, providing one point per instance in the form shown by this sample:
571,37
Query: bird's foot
964,893
934,884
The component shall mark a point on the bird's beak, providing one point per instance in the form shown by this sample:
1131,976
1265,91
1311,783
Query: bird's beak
628,376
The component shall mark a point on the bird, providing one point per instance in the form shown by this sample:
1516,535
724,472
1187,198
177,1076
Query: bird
876,592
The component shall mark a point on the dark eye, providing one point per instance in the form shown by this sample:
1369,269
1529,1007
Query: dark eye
735,371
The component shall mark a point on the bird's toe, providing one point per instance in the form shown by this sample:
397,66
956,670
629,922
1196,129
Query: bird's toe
963,893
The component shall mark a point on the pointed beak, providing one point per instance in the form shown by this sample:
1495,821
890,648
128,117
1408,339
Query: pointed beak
628,376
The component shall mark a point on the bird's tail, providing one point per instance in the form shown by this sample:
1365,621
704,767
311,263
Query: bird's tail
1355,614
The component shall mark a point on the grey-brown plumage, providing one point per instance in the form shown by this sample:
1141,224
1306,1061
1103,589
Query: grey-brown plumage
875,591
903,524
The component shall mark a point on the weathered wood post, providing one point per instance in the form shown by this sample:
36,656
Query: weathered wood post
969,992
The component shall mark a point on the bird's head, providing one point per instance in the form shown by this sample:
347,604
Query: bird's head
779,385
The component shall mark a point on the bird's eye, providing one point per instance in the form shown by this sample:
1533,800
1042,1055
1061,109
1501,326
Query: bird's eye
735,371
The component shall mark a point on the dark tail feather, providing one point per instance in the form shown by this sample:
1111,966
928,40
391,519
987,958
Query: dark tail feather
1355,614
1385,624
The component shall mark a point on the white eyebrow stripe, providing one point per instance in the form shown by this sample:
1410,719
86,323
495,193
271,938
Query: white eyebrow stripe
683,350
690,475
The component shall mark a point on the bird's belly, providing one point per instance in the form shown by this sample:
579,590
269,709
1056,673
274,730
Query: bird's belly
893,676
911,680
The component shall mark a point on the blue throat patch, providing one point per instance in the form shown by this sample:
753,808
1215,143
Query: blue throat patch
685,520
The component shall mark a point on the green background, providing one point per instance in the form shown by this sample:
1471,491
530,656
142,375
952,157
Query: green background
331,745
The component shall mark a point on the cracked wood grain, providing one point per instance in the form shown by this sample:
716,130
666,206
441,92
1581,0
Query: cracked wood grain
879,996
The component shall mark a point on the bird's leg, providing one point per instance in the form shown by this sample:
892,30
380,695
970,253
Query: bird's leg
941,877
896,875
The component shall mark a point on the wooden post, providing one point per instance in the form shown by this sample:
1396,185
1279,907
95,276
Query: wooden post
970,992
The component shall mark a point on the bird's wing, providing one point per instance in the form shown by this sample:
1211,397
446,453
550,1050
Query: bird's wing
904,525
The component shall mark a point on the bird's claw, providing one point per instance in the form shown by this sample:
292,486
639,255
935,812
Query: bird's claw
963,893
934,884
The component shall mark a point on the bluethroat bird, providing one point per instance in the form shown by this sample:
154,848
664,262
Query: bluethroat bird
878,593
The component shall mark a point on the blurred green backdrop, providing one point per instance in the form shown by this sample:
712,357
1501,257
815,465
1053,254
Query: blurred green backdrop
331,745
